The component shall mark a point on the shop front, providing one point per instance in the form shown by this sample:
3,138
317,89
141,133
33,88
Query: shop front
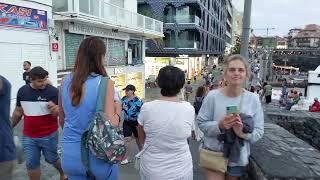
25,36
190,65
154,64
122,76
124,53
72,35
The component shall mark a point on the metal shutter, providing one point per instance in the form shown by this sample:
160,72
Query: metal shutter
72,43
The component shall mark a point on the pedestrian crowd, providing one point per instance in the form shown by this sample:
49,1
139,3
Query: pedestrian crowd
98,127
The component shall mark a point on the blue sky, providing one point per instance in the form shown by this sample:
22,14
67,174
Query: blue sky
281,14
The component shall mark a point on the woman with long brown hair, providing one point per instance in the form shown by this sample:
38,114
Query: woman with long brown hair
77,102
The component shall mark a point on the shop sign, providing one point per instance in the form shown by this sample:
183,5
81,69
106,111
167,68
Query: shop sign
163,60
183,55
22,17
119,71
55,47
180,61
96,31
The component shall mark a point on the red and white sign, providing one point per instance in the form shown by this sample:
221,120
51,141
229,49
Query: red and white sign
55,47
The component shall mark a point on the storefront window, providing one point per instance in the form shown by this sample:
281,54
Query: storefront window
136,49
119,83
136,80
116,54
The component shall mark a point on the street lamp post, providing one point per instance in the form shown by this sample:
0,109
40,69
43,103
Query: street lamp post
246,28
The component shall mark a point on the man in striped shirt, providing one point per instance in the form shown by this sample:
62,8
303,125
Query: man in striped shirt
37,103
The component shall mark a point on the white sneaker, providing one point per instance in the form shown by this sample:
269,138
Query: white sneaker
126,161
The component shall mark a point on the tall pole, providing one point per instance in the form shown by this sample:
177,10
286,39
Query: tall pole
246,28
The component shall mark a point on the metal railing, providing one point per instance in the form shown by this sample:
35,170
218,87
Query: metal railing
110,14
189,19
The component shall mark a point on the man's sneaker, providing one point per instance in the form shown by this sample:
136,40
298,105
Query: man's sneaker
126,161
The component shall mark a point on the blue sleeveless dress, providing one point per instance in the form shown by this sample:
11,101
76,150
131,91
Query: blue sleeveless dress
76,121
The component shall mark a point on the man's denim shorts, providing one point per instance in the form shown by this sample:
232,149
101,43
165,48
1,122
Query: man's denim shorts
32,148
236,171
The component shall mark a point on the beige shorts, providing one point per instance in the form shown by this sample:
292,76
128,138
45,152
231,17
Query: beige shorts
6,169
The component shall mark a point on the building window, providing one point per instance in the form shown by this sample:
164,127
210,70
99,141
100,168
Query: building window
84,6
116,54
186,39
169,14
146,10
119,3
208,41
60,5
208,22
183,14
169,39
136,48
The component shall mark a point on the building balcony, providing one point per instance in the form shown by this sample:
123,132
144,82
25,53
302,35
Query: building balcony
187,19
183,44
107,15
187,44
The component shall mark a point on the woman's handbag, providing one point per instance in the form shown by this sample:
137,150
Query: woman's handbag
212,160
101,138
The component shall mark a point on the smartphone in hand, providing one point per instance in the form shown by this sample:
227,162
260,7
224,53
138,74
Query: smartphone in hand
232,110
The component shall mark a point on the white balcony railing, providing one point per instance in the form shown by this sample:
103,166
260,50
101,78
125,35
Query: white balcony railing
109,14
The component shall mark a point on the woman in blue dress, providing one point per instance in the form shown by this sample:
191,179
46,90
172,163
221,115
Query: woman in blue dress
77,102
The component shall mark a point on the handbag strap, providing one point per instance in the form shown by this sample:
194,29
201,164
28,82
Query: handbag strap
241,101
156,136
84,138
102,94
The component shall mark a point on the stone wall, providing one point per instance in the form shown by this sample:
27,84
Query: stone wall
304,125
280,155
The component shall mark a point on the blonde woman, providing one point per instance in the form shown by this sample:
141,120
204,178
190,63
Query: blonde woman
214,121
